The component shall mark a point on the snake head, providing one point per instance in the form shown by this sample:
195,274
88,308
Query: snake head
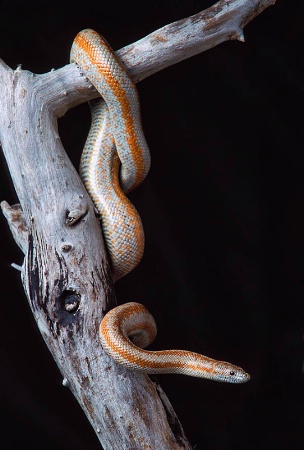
224,371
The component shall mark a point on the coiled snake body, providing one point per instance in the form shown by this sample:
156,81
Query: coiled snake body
114,161
115,158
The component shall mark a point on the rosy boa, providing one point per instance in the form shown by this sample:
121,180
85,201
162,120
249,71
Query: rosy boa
114,161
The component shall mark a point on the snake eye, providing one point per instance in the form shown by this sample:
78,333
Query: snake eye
232,373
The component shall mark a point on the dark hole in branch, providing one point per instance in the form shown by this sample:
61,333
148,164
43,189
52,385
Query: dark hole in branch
70,301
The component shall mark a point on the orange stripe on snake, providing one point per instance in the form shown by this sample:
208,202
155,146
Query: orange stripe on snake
127,329
115,160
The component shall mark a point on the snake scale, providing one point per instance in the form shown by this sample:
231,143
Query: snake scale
114,161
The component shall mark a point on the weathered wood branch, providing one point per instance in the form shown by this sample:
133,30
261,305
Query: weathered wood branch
180,40
65,272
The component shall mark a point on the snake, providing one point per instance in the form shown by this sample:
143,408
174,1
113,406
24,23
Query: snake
127,329
115,160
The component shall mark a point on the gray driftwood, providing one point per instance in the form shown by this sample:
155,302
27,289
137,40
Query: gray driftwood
65,272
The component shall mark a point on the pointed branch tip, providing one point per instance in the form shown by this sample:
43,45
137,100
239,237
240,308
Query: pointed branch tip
238,35
16,266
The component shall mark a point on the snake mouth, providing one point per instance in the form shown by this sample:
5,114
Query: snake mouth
224,371
243,377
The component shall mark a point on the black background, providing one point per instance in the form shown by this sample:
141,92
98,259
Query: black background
223,270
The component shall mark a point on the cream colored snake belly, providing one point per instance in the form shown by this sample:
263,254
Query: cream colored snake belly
115,160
